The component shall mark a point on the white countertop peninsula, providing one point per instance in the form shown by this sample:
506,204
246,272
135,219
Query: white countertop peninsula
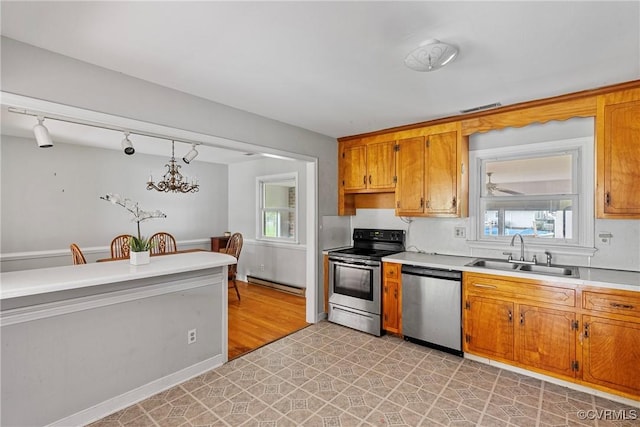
614,279
80,342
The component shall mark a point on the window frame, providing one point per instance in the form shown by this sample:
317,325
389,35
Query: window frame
582,180
261,210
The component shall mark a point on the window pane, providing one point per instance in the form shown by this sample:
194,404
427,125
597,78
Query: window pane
550,219
280,194
278,206
530,176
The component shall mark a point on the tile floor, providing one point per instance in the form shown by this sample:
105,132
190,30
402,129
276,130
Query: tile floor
328,375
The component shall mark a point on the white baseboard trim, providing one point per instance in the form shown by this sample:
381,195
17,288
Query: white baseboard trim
553,380
129,398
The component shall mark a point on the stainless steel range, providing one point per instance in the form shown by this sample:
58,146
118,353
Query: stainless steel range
355,279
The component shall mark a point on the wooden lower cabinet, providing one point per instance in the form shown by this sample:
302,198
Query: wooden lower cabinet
488,327
547,339
391,297
578,333
611,353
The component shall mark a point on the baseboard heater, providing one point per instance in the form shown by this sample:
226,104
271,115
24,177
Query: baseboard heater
279,286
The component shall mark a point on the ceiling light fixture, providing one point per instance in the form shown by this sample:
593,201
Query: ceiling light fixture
173,180
127,146
188,158
430,55
42,134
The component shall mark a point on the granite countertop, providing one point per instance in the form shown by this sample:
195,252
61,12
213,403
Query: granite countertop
614,279
38,281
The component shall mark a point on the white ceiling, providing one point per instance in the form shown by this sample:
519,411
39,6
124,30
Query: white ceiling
337,67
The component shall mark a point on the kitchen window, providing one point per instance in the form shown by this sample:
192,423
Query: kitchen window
278,207
542,191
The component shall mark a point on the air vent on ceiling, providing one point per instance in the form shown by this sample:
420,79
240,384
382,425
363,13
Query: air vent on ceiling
480,108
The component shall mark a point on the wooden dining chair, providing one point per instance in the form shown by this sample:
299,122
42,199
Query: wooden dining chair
77,255
163,243
120,246
234,246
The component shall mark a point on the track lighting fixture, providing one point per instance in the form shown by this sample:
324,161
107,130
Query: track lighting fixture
127,146
42,134
191,154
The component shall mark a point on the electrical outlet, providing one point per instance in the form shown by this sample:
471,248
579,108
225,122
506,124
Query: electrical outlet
191,336
261,267
605,237
460,232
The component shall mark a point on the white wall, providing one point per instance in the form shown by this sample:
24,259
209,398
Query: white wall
50,198
30,71
279,262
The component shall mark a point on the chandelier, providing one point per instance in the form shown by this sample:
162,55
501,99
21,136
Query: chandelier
173,180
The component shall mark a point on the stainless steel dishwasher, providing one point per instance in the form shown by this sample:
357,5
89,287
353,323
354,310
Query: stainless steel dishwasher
431,307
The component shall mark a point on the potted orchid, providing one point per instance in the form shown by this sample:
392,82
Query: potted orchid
140,247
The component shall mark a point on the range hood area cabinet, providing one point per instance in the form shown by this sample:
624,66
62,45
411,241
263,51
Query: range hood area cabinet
432,176
419,172
618,155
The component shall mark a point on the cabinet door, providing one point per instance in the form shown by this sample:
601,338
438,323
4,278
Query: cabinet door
611,353
441,174
354,167
488,327
391,297
619,155
410,166
381,165
390,307
546,339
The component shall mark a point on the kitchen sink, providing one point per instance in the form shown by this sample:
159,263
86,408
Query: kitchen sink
493,264
549,270
556,270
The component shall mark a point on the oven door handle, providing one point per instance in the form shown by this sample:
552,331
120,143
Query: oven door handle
357,264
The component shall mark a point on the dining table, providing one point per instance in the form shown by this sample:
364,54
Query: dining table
183,251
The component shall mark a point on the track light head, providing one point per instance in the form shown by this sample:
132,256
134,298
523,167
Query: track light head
127,146
42,134
188,158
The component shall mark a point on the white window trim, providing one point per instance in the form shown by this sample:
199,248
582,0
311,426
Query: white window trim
586,179
259,198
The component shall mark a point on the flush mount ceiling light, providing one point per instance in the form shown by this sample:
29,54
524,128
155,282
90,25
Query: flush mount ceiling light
191,154
430,55
127,146
42,134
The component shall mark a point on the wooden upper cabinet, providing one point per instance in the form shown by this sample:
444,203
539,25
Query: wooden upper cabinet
410,164
432,180
368,166
618,155
441,174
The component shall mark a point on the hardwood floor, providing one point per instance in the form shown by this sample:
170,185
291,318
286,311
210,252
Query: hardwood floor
261,316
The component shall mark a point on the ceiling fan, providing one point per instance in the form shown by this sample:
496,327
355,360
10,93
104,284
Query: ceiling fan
493,187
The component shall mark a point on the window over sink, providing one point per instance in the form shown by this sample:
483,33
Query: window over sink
540,190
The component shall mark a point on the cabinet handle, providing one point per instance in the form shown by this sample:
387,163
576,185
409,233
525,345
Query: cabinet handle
477,285
421,201
369,179
455,202
395,294
522,318
625,306
586,330
428,203
607,198
510,316
364,180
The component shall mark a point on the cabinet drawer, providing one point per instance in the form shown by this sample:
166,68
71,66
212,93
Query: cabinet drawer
487,285
391,270
625,303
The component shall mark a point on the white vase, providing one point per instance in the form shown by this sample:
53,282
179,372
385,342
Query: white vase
139,258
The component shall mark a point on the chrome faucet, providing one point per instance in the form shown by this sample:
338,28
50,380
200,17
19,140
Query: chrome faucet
521,245
548,254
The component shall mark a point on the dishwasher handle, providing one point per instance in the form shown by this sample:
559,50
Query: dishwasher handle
414,270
